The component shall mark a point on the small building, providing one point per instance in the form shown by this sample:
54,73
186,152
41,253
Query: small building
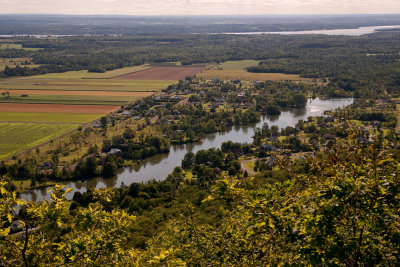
114,151
329,136
269,147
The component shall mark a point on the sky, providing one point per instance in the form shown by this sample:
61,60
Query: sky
198,7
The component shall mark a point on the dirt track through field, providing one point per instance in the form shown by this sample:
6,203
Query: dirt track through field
162,73
78,93
54,108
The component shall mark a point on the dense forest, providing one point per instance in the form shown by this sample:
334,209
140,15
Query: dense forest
167,25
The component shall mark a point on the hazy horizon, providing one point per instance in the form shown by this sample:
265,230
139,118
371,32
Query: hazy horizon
199,7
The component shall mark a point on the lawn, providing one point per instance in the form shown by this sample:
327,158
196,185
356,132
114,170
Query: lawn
236,65
244,75
16,137
48,117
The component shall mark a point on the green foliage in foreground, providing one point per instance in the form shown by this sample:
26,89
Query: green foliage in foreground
58,234
344,211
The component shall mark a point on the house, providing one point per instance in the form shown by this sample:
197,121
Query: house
329,137
273,138
330,119
126,113
271,161
88,130
114,151
46,166
375,123
269,147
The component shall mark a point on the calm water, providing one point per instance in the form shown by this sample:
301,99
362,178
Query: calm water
159,166
348,32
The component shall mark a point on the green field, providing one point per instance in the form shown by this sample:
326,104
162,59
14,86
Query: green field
115,73
236,65
18,46
70,99
48,117
16,137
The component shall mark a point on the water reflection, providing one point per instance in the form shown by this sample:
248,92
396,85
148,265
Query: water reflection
159,166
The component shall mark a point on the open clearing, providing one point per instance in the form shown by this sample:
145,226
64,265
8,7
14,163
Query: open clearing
244,75
47,117
16,137
163,73
54,108
236,65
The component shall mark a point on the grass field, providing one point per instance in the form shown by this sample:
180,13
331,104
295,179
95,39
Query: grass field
70,99
16,137
47,117
244,75
116,73
163,73
17,46
236,65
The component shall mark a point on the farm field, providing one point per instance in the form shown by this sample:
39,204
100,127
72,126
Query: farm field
42,117
54,108
244,75
163,73
70,99
18,46
16,137
80,97
236,65
116,73
34,83
77,93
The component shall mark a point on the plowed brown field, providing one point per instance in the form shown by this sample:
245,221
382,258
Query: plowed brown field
54,108
163,73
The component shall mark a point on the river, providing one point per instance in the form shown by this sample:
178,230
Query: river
348,32
158,167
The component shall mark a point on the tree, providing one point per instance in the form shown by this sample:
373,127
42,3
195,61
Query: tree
54,233
344,214
103,122
299,100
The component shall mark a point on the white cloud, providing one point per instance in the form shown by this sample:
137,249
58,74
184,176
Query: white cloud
194,7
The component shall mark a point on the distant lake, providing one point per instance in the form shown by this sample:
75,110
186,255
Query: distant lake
159,166
347,32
